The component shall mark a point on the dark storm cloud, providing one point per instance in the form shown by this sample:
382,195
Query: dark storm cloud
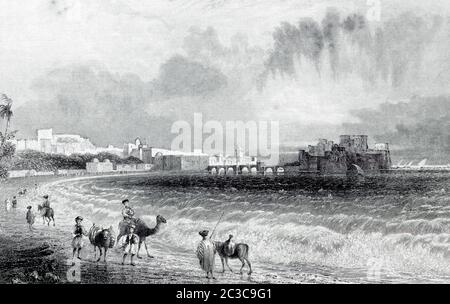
393,53
181,77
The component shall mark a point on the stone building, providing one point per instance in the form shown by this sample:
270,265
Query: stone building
330,158
186,162
99,167
66,144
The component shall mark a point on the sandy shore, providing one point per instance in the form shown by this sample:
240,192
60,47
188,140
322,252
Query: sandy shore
44,255
25,256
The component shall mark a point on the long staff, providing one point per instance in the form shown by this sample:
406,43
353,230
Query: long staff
216,225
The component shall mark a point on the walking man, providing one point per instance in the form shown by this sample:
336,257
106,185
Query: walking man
77,241
30,218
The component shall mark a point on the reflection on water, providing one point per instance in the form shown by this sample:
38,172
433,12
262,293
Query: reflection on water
379,231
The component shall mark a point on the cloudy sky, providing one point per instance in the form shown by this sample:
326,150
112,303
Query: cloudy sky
138,41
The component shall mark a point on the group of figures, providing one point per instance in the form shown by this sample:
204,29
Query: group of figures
207,249
11,204
132,234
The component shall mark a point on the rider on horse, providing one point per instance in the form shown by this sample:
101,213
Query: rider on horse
46,203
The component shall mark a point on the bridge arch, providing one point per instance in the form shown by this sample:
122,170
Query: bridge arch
268,171
244,170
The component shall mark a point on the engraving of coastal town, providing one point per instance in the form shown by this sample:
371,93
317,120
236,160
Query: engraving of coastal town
224,142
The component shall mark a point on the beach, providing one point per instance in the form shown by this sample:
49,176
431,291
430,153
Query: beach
382,231
48,250
26,257
44,255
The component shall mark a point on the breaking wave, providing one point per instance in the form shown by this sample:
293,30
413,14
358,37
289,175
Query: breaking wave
409,235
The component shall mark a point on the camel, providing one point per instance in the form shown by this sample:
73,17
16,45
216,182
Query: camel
142,230
47,213
101,238
240,252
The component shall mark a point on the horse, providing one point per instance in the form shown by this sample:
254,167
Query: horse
47,213
240,252
142,231
101,238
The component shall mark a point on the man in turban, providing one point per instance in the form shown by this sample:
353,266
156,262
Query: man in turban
206,254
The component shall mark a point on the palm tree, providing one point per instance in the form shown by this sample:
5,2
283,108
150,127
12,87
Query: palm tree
6,113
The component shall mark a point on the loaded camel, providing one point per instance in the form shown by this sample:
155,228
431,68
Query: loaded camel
142,231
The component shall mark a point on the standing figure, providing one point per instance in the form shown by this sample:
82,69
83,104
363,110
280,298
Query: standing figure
7,205
14,202
30,218
129,243
206,254
78,233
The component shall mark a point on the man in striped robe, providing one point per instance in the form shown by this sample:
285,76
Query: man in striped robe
206,253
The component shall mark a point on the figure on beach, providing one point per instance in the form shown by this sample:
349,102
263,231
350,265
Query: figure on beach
30,218
14,202
46,202
77,241
206,253
129,243
128,219
46,211
7,205
127,212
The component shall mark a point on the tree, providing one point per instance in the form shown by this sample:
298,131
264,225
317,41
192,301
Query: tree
7,149
6,113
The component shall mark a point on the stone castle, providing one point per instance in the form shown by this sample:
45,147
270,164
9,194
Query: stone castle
352,152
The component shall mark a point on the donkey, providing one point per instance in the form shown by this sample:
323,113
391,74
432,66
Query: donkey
101,238
240,252
47,213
